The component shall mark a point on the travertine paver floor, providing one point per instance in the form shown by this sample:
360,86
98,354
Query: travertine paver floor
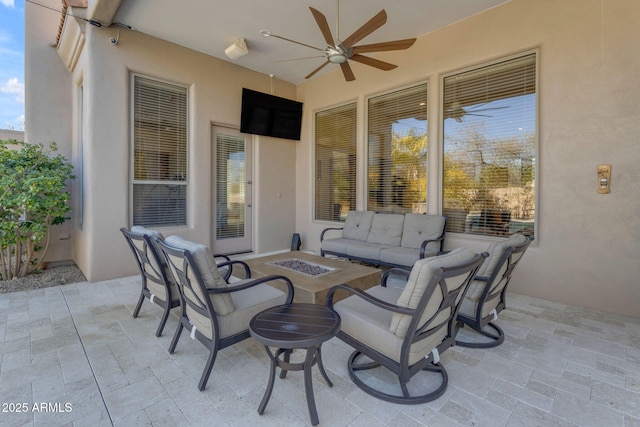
77,354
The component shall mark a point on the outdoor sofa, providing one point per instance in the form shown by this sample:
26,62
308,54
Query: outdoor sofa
394,240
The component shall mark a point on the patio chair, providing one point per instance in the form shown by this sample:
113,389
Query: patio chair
405,330
215,312
158,285
485,298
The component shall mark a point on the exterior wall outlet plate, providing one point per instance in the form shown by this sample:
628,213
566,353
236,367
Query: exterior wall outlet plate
604,178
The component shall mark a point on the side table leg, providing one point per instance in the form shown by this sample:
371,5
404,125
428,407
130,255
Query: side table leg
321,368
287,357
272,377
308,386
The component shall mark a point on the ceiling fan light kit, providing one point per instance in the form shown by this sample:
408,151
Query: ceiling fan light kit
340,53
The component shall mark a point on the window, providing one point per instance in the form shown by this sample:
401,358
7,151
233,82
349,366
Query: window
159,187
335,173
397,151
489,151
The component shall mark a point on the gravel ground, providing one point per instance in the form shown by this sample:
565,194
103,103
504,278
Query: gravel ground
52,276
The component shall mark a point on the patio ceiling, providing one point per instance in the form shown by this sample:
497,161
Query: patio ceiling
210,27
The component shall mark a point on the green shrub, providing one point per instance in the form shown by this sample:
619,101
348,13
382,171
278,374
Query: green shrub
33,197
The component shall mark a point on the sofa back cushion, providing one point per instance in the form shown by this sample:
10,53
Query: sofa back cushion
386,229
206,265
357,225
418,228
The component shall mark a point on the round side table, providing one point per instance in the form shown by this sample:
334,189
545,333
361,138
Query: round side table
290,326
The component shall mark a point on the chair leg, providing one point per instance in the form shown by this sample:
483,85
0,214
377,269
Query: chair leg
207,368
497,338
405,397
163,321
176,337
138,305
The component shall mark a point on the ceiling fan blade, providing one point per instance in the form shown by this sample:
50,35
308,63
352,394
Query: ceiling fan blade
321,20
299,59
385,66
384,46
293,41
347,71
308,76
369,27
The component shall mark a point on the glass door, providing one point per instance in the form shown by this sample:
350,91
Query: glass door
232,191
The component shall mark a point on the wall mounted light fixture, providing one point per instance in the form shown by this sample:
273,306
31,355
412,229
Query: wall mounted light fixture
237,49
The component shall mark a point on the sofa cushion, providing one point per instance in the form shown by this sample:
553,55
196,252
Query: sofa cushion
366,250
357,225
421,274
206,264
386,229
418,228
337,245
398,255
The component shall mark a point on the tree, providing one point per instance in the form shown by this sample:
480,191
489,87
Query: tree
33,197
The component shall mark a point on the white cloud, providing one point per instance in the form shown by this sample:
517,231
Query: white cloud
14,87
8,3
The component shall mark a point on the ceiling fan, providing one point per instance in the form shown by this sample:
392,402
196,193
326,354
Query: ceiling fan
341,51
457,111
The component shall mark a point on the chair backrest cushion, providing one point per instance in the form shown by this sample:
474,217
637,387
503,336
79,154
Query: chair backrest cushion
496,251
386,229
138,229
357,225
206,265
421,274
418,228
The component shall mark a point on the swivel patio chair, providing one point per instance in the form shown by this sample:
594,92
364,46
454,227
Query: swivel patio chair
158,285
485,298
405,330
215,312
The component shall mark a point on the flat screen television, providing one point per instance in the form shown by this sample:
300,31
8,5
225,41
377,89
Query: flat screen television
270,115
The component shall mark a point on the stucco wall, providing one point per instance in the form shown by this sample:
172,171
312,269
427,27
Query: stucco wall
215,89
587,245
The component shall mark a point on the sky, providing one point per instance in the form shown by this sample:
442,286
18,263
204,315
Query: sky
12,64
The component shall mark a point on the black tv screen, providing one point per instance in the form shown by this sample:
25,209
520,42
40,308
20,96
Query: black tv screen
270,115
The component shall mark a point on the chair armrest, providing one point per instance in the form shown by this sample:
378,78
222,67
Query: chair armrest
246,284
230,264
224,257
423,247
327,229
373,300
397,271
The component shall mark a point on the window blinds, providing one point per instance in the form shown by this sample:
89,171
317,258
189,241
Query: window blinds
159,187
397,151
489,148
335,156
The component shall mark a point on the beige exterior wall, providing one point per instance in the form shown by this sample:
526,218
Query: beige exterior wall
104,71
588,245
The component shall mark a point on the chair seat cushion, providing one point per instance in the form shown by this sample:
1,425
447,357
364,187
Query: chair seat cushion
370,325
206,264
